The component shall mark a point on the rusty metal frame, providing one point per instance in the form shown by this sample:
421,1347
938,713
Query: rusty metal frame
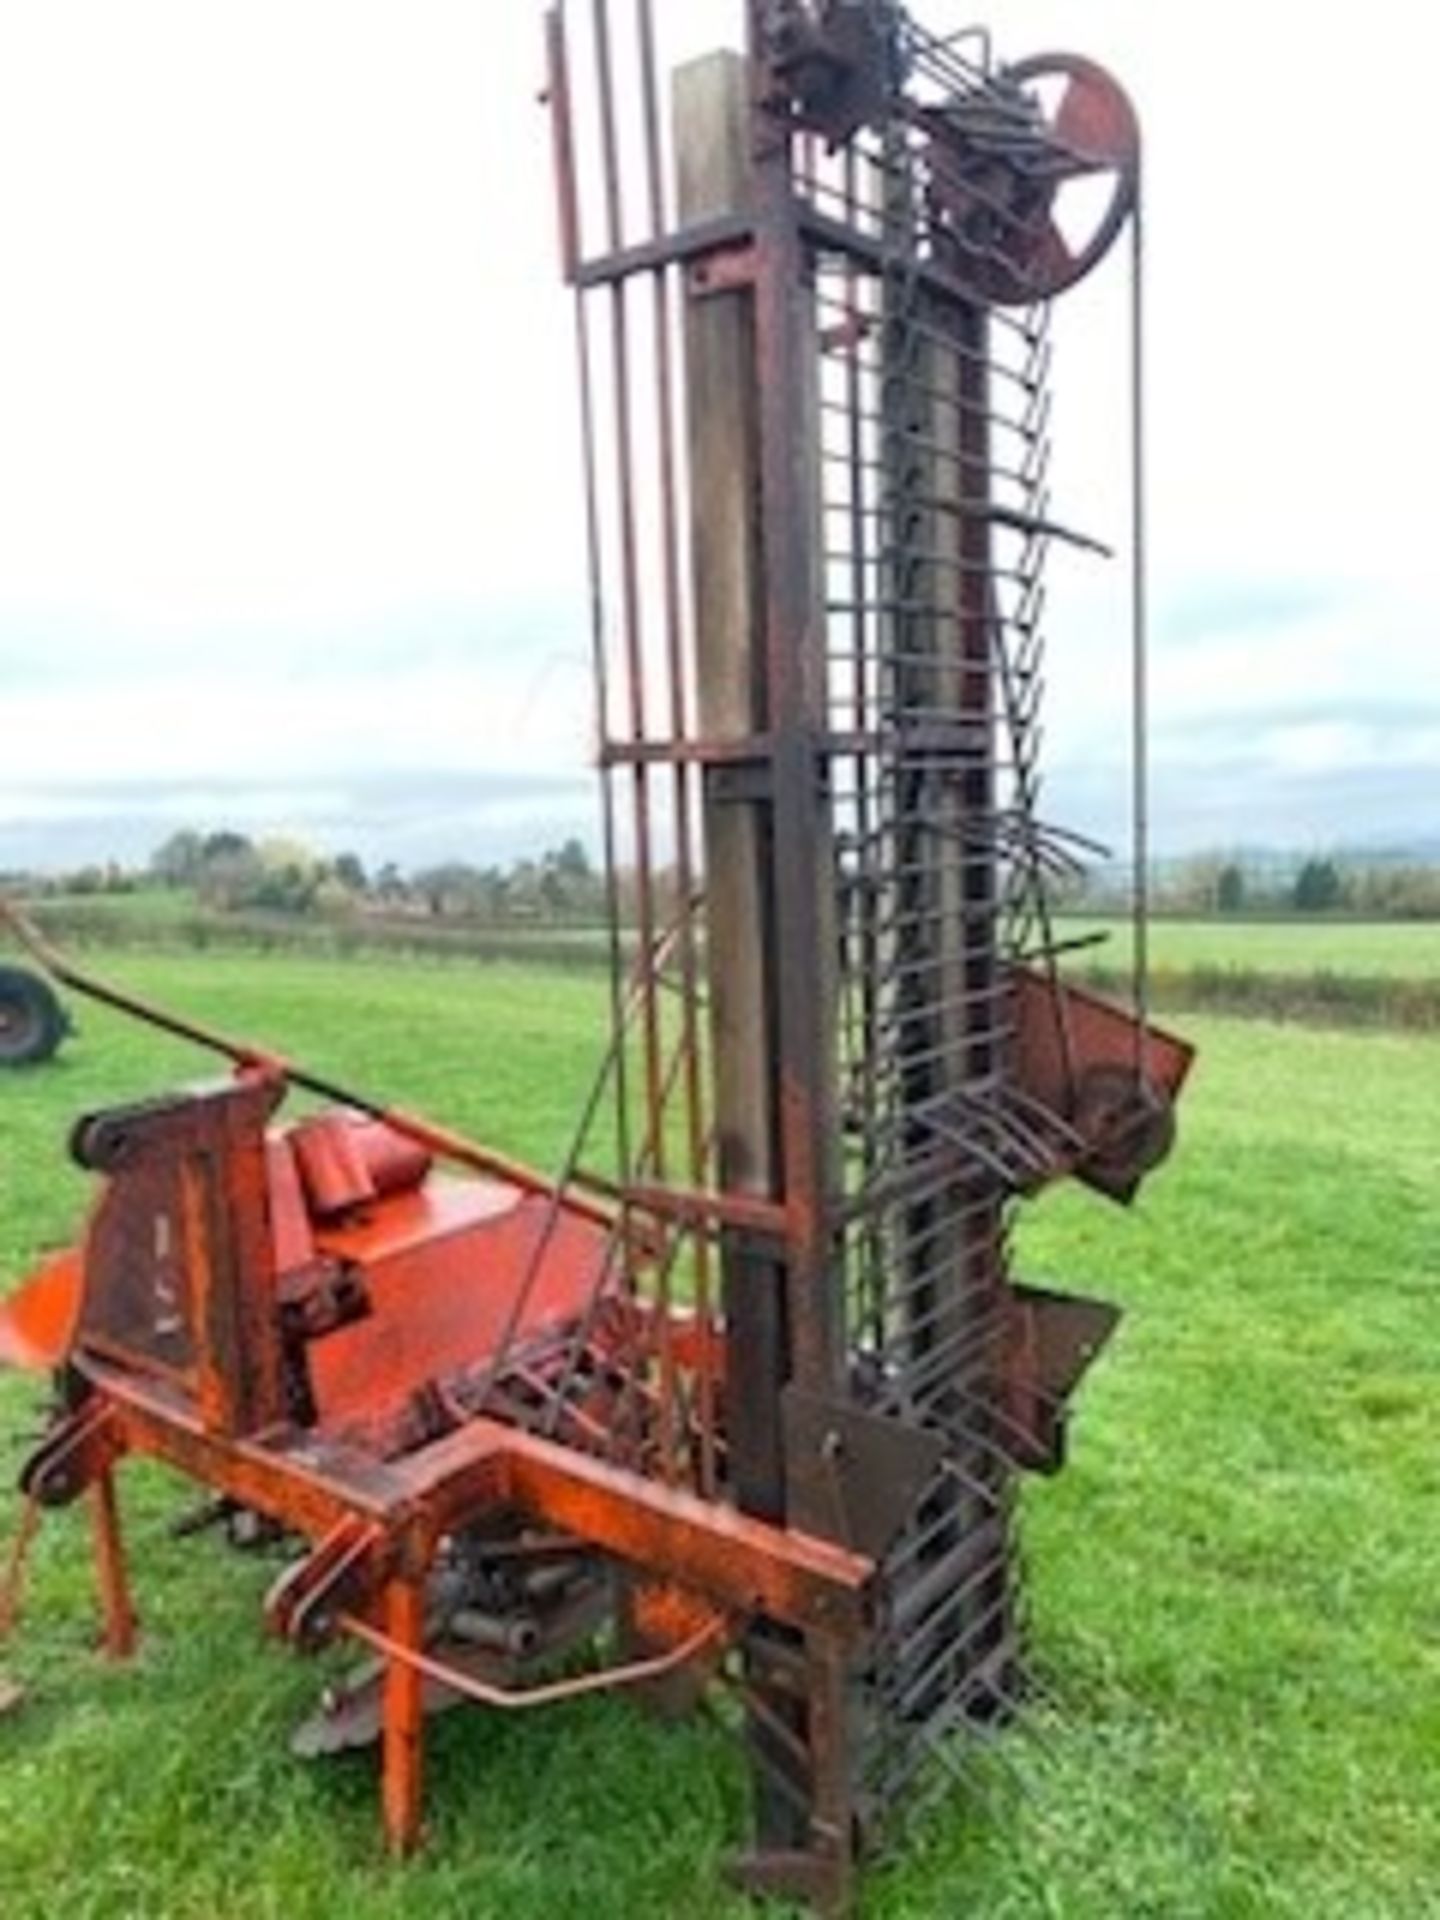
785,1378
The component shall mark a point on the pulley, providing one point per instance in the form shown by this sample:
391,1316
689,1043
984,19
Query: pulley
998,183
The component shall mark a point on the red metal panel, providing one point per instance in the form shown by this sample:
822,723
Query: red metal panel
440,1268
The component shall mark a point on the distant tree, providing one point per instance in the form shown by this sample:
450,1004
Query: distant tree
349,870
289,889
281,852
453,888
230,869
1193,886
391,884
571,860
178,860
566,882
1400,892
1230,888
333,898
1318,887
526,892
226,845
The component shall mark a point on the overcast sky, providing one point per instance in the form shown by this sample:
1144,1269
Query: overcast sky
289,526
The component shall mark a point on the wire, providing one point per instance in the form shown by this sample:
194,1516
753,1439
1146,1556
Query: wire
518,1700
1139,643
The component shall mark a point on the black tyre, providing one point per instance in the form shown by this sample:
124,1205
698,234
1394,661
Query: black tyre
32,1021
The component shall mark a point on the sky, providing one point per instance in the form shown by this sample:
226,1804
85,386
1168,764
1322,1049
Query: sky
290,519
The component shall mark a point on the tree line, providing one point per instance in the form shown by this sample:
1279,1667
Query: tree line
230,872
1216,885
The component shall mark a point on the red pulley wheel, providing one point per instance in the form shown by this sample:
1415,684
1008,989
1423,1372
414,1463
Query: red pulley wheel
1002,210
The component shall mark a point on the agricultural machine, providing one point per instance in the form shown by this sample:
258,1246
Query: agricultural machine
738,1398
32,1021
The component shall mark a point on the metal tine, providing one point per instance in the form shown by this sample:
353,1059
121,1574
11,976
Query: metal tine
756,1703
924,1537
911,1598
912,1561
942,1376
909,972
912,438
916,994
886,511
948,1600
1045,1116
911,1239
981,1151
874,464
925,1299
907,1181
1023,227
954,1742
1033,1151
922,1307
928,1381
932,335
992,1448
916,1686
897,1073
992,1107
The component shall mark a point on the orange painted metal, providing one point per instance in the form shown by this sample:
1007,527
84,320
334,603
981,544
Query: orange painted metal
264,1063
347,1161
282,1313
17,1565
404,1715
750,1565
316,1485
116,1609
439,1264
38,1321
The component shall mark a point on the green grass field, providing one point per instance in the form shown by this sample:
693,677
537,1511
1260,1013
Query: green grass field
1298,947
1394,949
1233,1583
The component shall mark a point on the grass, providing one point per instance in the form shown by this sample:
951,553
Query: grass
1400,949
1302,945
1322,972
185,925
1233,1582
160,906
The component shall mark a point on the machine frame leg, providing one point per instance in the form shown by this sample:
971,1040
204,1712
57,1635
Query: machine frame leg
402,1759
116,1607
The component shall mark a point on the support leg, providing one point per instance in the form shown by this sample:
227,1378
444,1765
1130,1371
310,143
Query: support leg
807,1832
833,1827
404,1719
116,1609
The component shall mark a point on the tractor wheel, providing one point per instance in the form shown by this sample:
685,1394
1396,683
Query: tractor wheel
32,1021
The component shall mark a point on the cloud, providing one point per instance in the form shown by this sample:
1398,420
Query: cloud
1228,604
416,818
290,500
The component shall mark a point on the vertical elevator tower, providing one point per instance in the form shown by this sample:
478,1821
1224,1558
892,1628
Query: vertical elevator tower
814,285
